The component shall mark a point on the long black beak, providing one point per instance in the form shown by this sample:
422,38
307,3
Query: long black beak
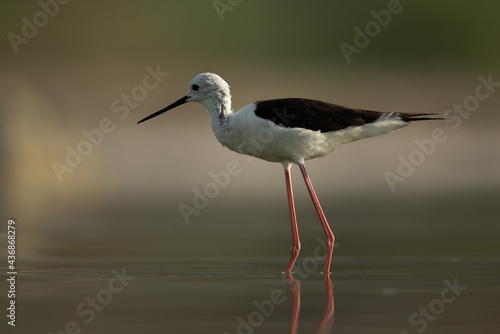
172,106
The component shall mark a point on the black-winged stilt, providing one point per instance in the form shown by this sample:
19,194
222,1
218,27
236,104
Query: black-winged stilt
288,131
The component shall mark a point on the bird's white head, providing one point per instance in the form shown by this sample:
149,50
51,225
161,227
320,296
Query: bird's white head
208,89
207,86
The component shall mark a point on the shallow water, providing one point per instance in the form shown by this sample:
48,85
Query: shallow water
131,270
368,295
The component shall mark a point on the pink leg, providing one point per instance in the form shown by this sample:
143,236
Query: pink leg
330,239
293,220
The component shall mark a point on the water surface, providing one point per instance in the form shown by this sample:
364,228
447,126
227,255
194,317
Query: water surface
370,295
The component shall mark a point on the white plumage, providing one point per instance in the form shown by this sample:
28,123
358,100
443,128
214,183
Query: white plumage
246,133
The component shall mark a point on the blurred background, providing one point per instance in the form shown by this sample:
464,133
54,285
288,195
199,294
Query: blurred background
65,79
85,64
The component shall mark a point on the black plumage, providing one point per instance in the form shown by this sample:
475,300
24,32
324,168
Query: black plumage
317,115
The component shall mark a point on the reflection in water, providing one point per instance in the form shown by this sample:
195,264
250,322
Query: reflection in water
294,286
326,323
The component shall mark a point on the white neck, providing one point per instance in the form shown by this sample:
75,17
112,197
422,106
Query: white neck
218,104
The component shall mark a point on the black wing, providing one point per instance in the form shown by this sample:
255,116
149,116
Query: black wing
317,115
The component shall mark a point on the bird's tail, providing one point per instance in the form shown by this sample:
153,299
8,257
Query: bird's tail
418,117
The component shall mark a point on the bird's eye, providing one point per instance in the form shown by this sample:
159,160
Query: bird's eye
195,87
